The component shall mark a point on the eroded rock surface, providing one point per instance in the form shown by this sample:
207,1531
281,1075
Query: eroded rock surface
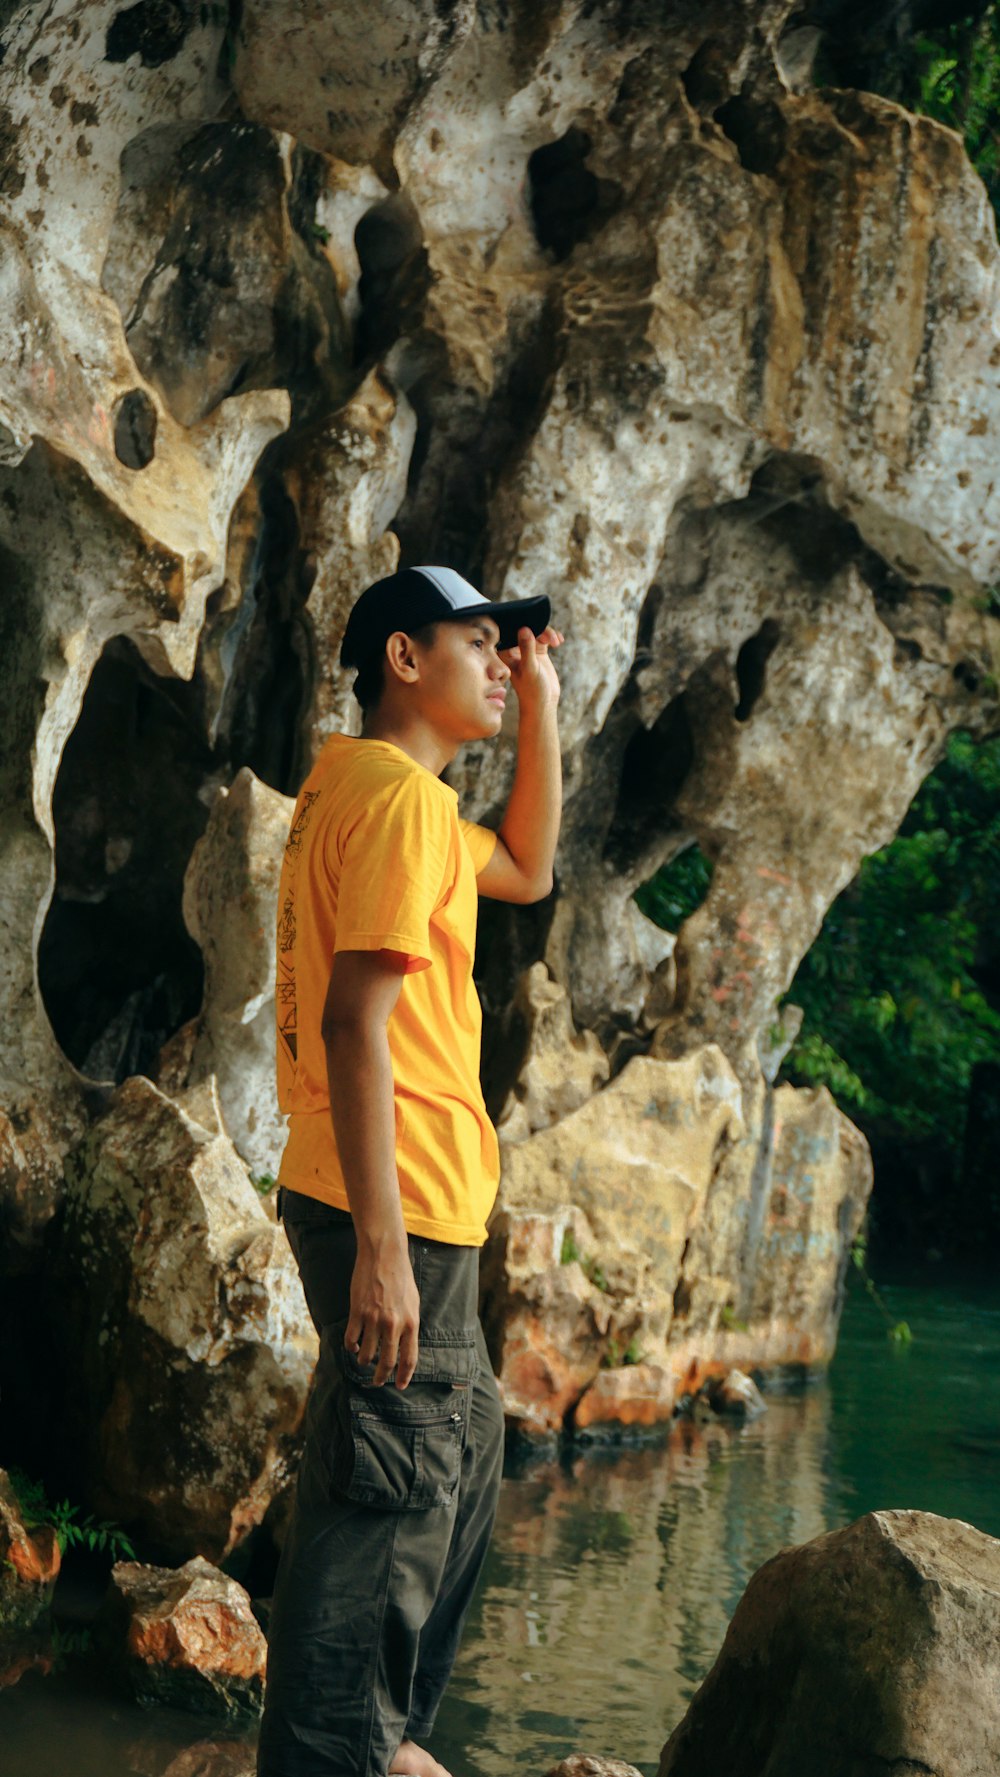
601,303
872,1646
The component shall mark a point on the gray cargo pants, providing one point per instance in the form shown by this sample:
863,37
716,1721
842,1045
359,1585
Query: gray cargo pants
394,1507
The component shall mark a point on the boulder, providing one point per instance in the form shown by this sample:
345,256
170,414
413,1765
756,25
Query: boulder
595,1214
29,1567
184,1313
872,1648
189,1639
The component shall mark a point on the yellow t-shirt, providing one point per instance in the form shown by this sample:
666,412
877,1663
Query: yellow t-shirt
378,859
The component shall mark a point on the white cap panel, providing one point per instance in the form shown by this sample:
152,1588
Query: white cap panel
451,586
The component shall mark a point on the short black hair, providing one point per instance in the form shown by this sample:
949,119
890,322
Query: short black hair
370,682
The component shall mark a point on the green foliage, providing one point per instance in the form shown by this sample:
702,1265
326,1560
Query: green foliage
617,1357
69,1644
72,1530
894,1017
958,78
729,1321
570,1254
673,894
263,1183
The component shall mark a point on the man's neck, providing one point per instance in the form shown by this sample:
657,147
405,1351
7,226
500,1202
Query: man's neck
416,737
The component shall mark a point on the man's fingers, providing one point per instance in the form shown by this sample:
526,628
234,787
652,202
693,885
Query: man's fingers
369,1342
408,1346
387,1350
353,1332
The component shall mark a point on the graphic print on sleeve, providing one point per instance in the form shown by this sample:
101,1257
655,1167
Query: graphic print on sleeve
287,998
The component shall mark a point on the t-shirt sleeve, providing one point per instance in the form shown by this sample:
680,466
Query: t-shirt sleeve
394,870
481,841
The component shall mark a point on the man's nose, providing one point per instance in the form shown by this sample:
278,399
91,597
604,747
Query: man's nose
499,669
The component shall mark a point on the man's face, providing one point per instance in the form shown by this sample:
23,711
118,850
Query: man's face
463,681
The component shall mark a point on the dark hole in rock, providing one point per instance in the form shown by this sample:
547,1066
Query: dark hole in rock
394,274
154,30
271,653
751,666
563,194
117,970
706,77
967,674
683,1293
757,129
655,764
135,429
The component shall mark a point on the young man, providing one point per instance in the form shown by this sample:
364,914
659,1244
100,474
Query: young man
391,1166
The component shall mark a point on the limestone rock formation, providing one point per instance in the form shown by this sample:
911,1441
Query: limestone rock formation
603,302
872,1647
189,1639
189,1347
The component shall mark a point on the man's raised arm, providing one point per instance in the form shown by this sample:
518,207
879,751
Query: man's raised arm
521,866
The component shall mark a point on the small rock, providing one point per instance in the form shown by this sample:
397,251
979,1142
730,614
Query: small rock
29,1564
586,1764
191,1639
737,1395
201,1758
214,1758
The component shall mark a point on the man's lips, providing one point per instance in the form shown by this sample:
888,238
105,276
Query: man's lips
499,697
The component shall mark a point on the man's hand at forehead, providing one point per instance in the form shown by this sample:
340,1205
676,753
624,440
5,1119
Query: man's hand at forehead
532,670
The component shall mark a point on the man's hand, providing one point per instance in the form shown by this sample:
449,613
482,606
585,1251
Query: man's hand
385,1310
532,673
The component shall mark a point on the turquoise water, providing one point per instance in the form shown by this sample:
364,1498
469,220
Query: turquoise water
612,1575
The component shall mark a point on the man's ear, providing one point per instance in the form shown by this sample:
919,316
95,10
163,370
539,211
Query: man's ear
401,657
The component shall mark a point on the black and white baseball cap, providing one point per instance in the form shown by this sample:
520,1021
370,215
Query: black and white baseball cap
415,596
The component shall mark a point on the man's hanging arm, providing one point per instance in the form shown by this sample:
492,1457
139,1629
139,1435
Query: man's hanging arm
521,866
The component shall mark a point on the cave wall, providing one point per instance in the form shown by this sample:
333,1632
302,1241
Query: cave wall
609,303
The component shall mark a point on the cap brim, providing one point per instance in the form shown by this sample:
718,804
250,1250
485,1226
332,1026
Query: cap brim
510,615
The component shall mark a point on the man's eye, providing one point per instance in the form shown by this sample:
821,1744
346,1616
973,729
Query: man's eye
478,642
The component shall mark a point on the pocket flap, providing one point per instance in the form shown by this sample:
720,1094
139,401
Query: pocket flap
444,1355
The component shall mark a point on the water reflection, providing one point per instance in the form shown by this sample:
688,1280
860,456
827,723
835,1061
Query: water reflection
612,1578
613,1575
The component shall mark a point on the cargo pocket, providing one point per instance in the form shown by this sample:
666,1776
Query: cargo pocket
401,1449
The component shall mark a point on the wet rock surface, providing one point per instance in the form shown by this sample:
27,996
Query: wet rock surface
873,1647
610,306
189,1640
